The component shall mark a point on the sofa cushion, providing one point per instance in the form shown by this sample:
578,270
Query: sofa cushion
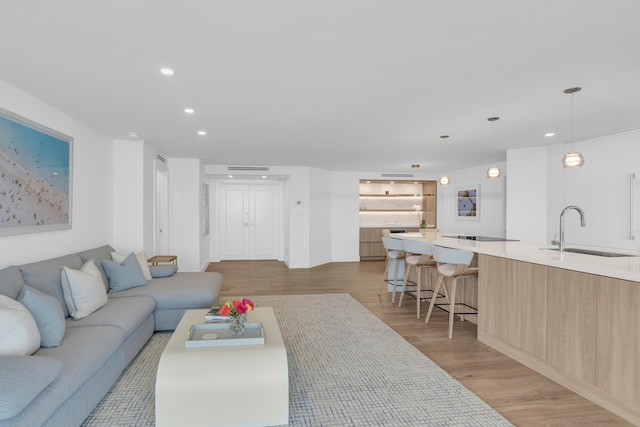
11,281
125,275
83,290
83,352
165,270
184,290
125,313
22,378
98,254
19,335
142,262
47,313
45,276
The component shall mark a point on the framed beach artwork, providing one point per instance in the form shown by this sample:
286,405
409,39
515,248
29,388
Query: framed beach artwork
35,177
468,203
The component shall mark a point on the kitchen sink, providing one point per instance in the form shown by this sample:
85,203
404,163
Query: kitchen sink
593,252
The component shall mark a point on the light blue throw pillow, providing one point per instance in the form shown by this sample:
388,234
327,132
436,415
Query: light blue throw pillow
124,276
22,378
47,312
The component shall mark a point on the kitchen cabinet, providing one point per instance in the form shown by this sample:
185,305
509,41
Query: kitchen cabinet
581,330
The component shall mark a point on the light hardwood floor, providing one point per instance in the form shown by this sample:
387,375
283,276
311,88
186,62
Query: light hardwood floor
521,395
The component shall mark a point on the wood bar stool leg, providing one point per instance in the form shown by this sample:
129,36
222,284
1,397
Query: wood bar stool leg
395,280
384,277
418,290
404,283
433,300
452,306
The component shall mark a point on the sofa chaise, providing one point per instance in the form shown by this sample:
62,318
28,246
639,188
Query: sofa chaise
59,385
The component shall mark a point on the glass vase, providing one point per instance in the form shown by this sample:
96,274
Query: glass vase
237,325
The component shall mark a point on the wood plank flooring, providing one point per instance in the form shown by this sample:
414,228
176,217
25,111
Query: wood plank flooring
521,395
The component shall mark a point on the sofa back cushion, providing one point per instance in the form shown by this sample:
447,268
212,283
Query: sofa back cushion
11,282
45,276
97,255
47,313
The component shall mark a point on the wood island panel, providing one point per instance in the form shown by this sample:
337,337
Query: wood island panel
618,340
513,302
571,324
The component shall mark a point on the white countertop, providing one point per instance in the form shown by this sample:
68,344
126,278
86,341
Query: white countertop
626,268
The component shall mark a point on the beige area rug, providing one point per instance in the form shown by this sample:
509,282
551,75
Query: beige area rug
346,368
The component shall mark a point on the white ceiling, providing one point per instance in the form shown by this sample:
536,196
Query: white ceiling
360,85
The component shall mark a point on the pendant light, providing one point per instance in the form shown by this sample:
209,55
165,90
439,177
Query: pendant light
572,159
493,171
444,179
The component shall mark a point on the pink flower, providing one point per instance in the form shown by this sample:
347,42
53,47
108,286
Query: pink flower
225,310
248,303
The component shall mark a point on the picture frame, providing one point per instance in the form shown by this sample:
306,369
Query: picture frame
468,203
36,165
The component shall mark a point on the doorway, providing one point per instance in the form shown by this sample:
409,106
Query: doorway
249,219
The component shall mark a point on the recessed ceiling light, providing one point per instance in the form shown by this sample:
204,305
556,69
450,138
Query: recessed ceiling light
230,176
264,176
134,135
167,71
201,132
189,110
549,134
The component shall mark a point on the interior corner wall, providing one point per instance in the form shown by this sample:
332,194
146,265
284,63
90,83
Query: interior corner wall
184,212
527,194
92,175
128,211
320,217
492,220
205,250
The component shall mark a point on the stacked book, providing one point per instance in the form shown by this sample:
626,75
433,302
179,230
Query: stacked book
214,316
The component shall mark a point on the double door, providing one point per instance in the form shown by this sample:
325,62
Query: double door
249,221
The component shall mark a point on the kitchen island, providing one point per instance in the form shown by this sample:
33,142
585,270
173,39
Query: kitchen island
574,318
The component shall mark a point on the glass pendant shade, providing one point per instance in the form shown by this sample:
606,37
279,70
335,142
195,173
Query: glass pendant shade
493,172
444,180
572,159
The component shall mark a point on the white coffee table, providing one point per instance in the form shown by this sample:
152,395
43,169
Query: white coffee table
223,386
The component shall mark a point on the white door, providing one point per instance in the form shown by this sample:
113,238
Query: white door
161,209
249,221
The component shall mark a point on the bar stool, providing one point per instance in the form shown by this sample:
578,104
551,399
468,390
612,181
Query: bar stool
453,263
395,255
418,256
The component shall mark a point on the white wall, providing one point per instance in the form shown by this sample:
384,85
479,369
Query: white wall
184,212
345,233
92,205
128,208
320,216
527,191
492,221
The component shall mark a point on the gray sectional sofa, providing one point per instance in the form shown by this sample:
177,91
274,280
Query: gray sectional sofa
60,386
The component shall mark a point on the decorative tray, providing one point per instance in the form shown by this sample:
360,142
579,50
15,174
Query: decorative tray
219,335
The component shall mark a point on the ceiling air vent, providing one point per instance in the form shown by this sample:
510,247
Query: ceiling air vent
247,168
162,159
397,175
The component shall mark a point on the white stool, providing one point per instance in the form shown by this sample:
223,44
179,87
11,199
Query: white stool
395,255
418,256
453,263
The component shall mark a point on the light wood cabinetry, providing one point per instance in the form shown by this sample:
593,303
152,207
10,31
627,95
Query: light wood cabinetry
618,340
581,330
371,247
513,302
571,324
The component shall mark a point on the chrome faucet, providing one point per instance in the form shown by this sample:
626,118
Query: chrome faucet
560,242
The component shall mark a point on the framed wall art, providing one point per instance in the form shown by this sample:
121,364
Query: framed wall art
468,203
35,177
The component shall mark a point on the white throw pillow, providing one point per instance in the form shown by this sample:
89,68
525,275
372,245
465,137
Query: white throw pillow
83,290
142,260
19,335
